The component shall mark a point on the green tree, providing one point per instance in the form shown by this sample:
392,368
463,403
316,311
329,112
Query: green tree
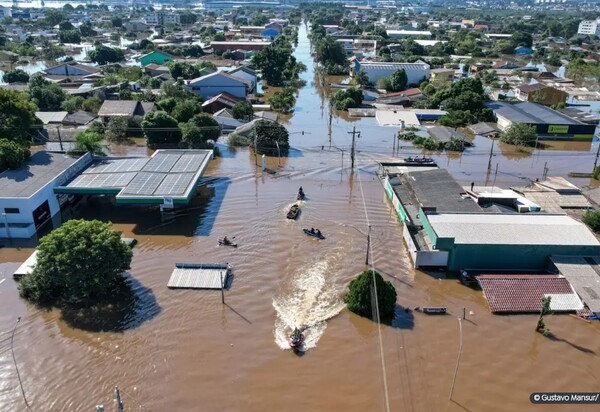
47,96
398,81
541,325
185,110
283,100
359,298
183,70
70,36
116,21
17,117
187,17
237,140
361,78
87,30
116,129
348,98
270,61
91,104
104,54
268,135
592,219
52,17
242,110
520,134
12,154
77,264
521,39
160,129
72,104
331,55
88,141
16,76
199,131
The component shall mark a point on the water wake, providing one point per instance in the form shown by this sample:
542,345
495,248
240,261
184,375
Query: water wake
311,300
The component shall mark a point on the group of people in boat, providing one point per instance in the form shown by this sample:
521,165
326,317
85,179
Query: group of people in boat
315,231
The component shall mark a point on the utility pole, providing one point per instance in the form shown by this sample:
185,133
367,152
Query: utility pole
597,155
118,399
368,245
59,138
255,151
352,151
491,154
457,359
330,119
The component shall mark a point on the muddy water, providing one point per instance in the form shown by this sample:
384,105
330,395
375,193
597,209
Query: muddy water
185,351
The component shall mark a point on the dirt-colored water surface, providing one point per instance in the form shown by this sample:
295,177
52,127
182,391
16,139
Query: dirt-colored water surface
182,350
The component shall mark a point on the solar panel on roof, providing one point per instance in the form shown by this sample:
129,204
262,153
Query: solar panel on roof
117,165
188,163
161,162
175,184
143,184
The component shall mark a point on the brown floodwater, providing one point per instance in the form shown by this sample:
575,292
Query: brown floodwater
183,350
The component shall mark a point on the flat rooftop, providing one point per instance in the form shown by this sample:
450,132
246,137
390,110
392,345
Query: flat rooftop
583,274
437,188
532,113
167,174
512,229
37,172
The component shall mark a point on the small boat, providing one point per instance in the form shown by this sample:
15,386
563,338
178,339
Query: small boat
418,159
468,279
222,242
293,212
314,234
296,342
432,310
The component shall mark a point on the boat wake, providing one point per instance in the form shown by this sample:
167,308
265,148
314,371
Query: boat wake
311,300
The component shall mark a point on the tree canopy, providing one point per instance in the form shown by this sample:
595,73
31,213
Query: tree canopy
199,130
330,54
359,296
347,98
520,134
103,54
46,95
78,263
17,117
12,154
160,129
16,76
268,135
242,110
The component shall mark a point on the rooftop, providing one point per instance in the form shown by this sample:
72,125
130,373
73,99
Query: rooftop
584,275
512,229
37,172
524,293
167,174
528,112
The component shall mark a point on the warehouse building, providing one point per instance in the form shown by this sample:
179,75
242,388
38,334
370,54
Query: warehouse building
415,72
550,124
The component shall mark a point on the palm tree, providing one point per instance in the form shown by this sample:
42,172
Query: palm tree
88,142
361,78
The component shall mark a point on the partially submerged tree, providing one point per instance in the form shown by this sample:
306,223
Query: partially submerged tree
541,325
361,292
88,141
520,134
242,110
160,129
16,76
269,135
77,264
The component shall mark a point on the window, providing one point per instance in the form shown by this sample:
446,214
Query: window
12,210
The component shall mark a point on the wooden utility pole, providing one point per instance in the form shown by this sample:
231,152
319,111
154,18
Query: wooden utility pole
59,138
352,150
491,154
457,359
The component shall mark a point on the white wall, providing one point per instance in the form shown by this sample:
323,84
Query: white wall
26,206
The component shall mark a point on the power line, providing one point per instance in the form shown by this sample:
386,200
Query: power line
370,246
12,349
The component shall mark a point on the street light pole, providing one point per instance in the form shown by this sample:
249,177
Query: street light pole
368,245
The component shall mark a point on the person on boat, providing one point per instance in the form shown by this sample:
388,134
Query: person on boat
296,334
300,191
319,233
226,241
312,230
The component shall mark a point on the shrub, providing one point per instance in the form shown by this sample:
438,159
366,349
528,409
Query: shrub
237,140
359,299
592,219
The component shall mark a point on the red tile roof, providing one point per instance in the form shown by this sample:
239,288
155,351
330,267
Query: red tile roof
521,293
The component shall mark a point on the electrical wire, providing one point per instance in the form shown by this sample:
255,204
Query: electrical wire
12,349
383,368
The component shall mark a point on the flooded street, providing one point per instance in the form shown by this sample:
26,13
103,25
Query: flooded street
183,350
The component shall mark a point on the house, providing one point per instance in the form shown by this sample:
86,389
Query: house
505,64
252,30
275,26
8,56
136,26
219,102
415,72
544,76
79,118
223,46
156,57
540,93
522,50
123,108
154,69
400,34
442,76
247,74
71,69
270,33
51,117
216,83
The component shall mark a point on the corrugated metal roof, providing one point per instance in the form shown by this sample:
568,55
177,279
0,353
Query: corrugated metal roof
51,117
584,274
524,293
528,112
512,229
199,276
